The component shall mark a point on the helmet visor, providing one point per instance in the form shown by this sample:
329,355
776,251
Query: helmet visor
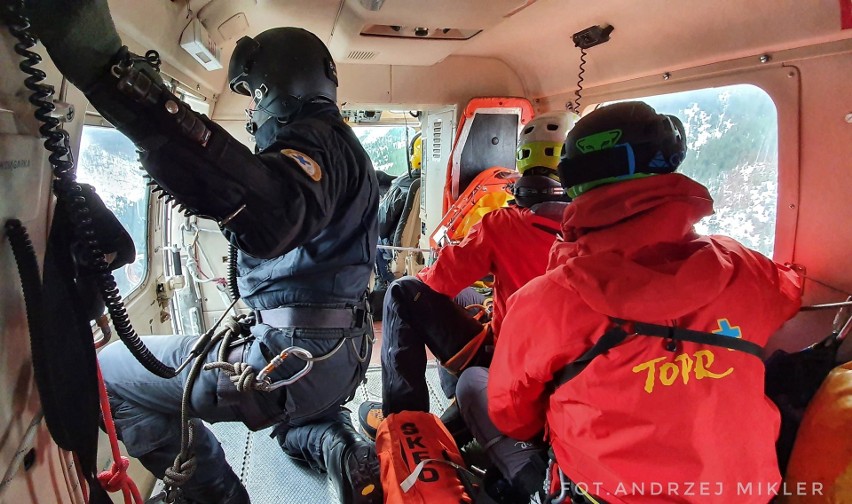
240,65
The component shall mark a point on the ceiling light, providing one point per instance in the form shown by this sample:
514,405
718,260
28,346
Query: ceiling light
372,5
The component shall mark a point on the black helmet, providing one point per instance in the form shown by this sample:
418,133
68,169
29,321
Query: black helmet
619,142
537,185
282,68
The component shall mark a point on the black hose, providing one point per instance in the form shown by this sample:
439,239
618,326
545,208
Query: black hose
65,186
25,258
233,289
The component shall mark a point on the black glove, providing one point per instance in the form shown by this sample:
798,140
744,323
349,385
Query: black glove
79,36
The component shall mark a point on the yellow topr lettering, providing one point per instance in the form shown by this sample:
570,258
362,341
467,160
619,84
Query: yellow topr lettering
697,365
668,373
651,366
686,364
703,360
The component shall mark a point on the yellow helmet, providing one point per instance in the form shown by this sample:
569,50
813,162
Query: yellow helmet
540,141
415,152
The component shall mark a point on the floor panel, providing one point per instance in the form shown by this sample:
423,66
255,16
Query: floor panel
271,477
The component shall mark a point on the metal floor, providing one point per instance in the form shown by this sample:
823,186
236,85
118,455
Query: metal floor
271,477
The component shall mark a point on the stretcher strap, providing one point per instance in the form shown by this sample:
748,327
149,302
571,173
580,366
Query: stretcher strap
116,477
458,362
409,482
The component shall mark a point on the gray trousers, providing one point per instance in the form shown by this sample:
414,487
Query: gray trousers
509,455
146,408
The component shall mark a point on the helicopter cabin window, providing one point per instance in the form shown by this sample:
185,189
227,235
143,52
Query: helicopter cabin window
108,161
732,140
387,147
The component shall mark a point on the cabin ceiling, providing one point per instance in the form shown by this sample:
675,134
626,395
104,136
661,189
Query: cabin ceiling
533,37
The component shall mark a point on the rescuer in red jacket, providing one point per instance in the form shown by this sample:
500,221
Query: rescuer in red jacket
651,420
511,243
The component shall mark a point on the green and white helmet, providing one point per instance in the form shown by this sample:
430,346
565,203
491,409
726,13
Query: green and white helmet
540,141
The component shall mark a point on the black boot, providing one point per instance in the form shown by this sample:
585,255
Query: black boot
502,491
228,490
333,446
454,422
352,465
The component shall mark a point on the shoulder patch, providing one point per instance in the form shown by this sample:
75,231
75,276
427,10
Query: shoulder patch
305,162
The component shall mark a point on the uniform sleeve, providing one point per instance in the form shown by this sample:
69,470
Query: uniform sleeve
292,193
390,208
516,398
458,266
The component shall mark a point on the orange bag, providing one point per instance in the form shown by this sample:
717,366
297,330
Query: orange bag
820,467
419,460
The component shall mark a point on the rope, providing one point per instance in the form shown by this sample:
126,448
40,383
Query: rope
116,478
185,463
241,374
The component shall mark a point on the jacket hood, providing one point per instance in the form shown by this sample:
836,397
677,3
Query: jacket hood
630,250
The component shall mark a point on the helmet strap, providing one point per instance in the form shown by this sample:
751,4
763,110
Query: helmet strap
579,189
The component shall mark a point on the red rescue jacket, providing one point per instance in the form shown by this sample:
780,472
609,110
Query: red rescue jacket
512,243
641,423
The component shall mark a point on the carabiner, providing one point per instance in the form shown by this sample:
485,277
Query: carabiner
564,488
263,377
842,321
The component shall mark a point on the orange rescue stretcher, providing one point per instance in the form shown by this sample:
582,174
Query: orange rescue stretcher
490,190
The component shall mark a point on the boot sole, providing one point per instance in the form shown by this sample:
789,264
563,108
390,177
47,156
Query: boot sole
363,475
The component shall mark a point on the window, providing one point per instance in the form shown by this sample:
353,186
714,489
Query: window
108,161
198,105
732,139
386,146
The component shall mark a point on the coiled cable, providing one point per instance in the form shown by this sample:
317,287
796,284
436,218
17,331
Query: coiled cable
233,289
57,142
25,258
580,80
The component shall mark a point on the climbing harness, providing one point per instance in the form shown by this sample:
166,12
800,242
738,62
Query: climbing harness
243,376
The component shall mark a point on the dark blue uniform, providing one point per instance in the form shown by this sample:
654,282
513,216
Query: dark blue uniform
326,205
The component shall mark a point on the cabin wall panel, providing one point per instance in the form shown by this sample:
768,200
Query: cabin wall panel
25,195
824,237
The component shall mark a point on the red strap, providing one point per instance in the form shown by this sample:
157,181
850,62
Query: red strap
116,477
845,14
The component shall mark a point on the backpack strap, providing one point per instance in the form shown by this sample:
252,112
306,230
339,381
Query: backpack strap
705,338
624,328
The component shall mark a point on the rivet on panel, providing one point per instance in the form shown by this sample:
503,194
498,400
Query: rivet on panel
667,76
765,58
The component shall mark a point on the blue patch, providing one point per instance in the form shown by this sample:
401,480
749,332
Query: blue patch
725,329
308,165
